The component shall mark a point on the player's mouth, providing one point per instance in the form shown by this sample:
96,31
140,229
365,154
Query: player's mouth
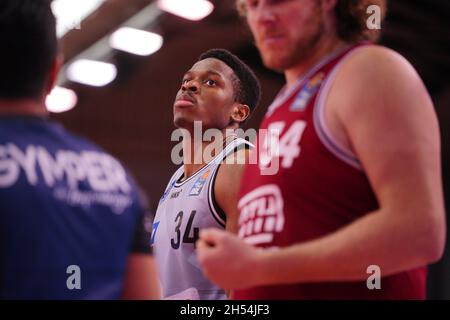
184,101
272,38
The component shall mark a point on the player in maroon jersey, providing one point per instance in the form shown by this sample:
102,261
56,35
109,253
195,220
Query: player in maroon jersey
355,210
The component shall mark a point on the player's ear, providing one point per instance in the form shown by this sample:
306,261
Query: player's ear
240,112
53,73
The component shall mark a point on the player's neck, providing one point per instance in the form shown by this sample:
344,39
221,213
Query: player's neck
22,107
324,47
194,155
193,161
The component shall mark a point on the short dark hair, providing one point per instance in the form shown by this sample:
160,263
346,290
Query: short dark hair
29,47
246,85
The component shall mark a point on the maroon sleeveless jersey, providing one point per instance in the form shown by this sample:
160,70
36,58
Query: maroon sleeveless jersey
318,187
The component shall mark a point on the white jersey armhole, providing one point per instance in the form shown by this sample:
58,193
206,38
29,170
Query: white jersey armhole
218,212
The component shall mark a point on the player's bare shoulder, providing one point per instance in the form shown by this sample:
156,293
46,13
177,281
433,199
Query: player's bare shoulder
228,179
231,168
375,60
375,78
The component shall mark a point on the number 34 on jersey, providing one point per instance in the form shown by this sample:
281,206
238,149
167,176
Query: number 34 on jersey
280,144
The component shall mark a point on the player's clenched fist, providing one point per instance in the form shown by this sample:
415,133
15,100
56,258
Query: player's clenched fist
227,260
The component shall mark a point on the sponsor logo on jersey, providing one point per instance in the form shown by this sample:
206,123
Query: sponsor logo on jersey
154,229
199,183
166,193
175,194
261,214
80,178
308,91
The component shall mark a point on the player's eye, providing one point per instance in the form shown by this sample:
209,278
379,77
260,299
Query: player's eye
210,82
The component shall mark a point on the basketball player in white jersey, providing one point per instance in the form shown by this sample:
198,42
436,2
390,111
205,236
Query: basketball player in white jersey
220,91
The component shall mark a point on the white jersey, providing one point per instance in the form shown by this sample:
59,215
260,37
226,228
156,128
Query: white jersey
186,207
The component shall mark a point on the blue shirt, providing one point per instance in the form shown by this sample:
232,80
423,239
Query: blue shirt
63,202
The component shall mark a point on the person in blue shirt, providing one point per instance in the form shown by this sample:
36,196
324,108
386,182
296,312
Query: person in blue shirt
71,218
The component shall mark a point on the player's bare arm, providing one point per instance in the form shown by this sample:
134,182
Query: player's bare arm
140,282
227,186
